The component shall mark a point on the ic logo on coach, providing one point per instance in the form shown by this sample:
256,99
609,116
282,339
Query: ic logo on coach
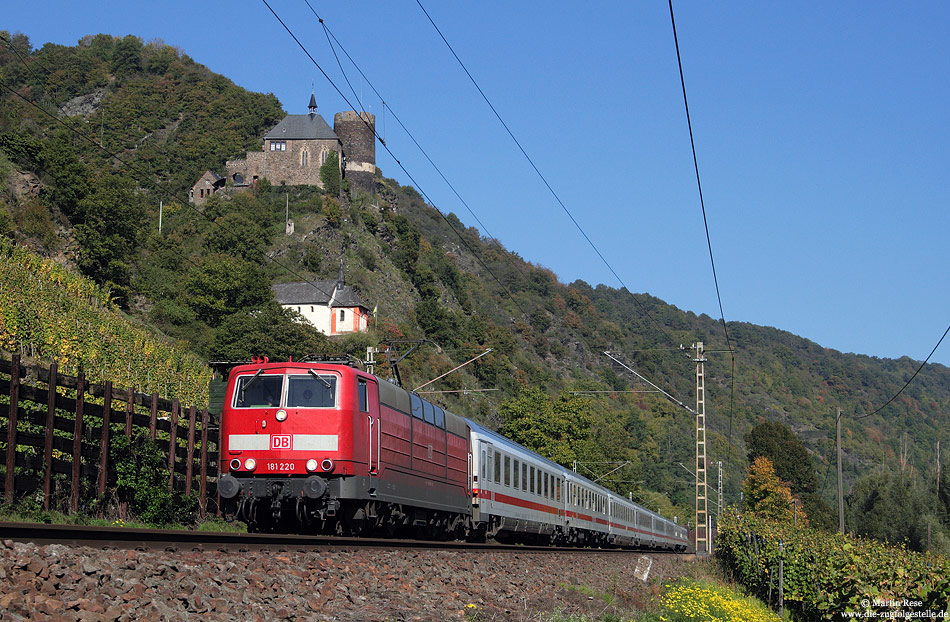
280,441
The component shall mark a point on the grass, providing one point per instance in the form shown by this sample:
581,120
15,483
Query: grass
29,510
609,599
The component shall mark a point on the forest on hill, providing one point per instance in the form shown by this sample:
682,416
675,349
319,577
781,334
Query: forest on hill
94,137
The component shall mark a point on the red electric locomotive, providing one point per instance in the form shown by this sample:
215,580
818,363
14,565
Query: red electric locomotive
325,446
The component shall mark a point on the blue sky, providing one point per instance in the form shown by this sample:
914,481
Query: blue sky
821,130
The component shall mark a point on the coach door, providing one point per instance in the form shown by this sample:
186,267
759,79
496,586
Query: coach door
482,477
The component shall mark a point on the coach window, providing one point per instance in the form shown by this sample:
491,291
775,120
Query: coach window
532,480
439,417
363,395
484,465
427,412
524,477
507,471
546,486
416,406
517,472
497,469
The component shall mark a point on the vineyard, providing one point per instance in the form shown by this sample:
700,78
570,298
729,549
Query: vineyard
828,574
48,312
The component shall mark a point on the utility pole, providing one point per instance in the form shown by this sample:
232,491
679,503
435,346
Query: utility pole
840,484
938,467
719,498
702,514
370,360
288,225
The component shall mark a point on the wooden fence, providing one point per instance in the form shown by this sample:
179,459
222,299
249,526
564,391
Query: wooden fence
76,436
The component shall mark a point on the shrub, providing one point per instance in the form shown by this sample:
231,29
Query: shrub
141,470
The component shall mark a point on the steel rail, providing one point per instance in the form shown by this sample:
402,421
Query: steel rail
175,540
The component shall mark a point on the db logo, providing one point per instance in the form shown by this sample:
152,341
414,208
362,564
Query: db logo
279,441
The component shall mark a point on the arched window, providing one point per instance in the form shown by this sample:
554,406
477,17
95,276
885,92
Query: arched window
304,158
324,154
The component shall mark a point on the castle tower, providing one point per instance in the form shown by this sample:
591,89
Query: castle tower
356,132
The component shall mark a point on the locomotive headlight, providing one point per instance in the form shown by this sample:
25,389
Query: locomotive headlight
235,464
312,465
280,415
327,465
250,464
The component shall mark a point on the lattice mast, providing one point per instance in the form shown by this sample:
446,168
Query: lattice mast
702,514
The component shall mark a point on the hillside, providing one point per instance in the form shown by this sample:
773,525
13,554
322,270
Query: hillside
164,119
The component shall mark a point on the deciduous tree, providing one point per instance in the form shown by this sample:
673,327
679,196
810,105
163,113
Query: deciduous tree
766,496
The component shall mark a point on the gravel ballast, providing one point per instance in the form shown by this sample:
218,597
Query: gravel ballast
64,583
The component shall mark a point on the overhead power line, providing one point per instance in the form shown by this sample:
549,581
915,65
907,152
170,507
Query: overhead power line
393,155
330,35
699,184
537,170
906,384
702,203
145,175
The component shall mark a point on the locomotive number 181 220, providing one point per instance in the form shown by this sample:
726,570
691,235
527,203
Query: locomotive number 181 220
280,466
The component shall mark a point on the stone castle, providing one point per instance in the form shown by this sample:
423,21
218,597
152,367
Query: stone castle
296,148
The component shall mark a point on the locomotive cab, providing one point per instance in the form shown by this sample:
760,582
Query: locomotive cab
291,434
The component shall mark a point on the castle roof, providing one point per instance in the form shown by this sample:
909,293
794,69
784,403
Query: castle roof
301,127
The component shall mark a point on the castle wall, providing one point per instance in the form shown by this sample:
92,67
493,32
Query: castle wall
251,168
359,145
285,162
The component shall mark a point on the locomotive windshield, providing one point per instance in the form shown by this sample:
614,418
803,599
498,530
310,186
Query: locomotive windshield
312,391
257,391
303,391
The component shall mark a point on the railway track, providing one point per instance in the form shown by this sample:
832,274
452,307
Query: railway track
182,540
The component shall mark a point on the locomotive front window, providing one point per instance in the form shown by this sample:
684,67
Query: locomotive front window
257,391
311,391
